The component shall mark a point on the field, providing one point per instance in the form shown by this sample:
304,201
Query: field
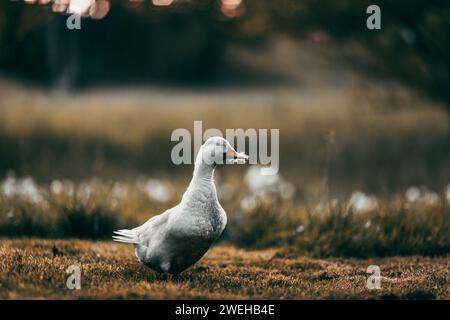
88,124
33,269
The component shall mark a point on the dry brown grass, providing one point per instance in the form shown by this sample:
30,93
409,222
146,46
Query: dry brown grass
29,269
365,136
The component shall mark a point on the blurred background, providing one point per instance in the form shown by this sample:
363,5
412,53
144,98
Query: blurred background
86,118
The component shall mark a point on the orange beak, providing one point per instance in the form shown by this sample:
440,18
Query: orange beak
232,153
238,157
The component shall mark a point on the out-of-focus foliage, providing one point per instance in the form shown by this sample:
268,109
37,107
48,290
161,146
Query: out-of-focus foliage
187,42
378,140
130,44
402,224
412,46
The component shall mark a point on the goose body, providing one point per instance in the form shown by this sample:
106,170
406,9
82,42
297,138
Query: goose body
176,239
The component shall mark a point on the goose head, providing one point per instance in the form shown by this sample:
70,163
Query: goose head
217,150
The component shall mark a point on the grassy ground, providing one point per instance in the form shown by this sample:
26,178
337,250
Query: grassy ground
29,268
83,164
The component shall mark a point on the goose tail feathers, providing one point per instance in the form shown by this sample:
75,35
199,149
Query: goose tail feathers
126,236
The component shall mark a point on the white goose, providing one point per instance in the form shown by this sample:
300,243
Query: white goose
179,237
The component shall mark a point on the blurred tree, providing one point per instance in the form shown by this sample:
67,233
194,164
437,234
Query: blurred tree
412,47
179,44
186,41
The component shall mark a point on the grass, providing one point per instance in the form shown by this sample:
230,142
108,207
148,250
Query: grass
30,269
93,209
377,139
340,231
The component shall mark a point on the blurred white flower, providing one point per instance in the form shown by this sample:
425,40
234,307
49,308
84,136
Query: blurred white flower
262,185
69,187
412,194
8,186
27,189
248,203
24,188
360,202
84,191
257,182
447,193
286,190
56,187
431,198
157,190
119,190
324,206
422,196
